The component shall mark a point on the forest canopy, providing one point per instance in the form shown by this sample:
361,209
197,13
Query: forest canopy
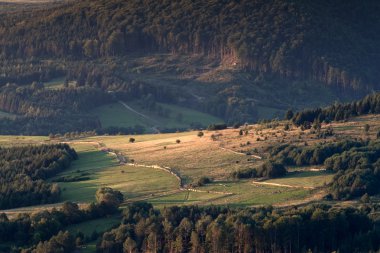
23,171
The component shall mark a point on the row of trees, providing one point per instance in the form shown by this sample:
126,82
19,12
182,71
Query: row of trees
40,102
292,155
40,111
357,164
317,228
268,170
24,169
369,104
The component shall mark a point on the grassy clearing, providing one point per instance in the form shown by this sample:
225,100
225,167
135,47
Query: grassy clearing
193,157
11,140
103,170
98,225
184,198
88,227
120,140
246,194
305,179
188,116
117,115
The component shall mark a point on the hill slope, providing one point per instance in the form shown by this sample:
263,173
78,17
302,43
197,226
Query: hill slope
332,42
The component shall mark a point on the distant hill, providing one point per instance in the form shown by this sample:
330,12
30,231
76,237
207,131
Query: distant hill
241,61
335,43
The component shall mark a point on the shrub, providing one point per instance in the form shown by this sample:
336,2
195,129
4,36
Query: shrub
202,181
214,127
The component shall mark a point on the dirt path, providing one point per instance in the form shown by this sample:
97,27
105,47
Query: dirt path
282,185
154,128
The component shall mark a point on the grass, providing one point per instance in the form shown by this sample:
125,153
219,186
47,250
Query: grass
193,157
98,225
189,116
247,194
88,227
104,171
183,198
117,115
11,140
304,179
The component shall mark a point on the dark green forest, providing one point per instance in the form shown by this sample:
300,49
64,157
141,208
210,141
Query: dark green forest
339,111
44,231
332,42
316,228
319,228
23,171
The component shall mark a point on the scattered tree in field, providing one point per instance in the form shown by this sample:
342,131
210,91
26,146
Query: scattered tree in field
202,181
289,115
178,141
132,140
129,245
200,134
317,125
366,128
214,127
109,197
241,132
365,198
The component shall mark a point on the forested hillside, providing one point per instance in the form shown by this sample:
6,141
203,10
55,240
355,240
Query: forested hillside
192,229
241,61
332,42
24,169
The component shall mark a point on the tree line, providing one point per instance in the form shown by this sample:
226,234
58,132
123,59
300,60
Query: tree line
356,163
368,105
316,228
23,171
269,169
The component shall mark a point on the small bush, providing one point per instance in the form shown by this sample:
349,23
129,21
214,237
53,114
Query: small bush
214,127
202,181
